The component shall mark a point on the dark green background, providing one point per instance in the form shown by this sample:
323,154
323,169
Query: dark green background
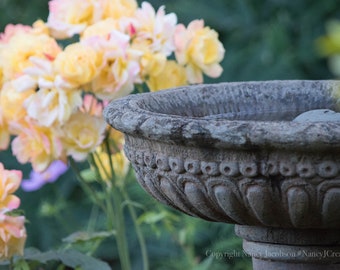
264,39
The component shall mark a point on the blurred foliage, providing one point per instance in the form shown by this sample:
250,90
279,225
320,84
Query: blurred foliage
264,40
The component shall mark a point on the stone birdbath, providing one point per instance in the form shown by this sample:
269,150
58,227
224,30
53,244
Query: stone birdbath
242,153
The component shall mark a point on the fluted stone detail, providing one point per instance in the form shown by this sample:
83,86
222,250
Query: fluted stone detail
300,194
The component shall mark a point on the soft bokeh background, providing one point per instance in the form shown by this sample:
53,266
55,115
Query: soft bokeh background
264,40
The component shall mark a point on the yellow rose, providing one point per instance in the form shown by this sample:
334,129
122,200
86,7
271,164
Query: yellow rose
15,55
4,132
152,64
173,75
1,76
101,28
12,236
82,134
119,8
40,27
78,64
67,18
12,102
199,49
206,50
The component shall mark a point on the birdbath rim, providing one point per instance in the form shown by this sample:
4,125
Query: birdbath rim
206,115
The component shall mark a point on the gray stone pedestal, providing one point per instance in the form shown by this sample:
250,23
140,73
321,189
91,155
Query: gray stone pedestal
293,249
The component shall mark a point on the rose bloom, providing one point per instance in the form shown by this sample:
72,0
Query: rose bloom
119,8
15,55
82,134
92,106
67,18
12,236
156,28
101,28
13,29
161,80
116,80
4,132
41,75
121,69
78,64
37,145
1,75
52,106
52,99
199,49
12,100
151,63
9,182
12,229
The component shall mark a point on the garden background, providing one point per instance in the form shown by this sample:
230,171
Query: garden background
264,40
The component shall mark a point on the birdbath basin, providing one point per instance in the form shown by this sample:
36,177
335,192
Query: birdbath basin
238,153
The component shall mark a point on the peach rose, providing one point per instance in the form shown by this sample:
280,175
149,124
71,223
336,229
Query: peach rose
9,182
12,236
37,145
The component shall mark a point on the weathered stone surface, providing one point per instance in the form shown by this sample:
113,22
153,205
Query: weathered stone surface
231,115
232,153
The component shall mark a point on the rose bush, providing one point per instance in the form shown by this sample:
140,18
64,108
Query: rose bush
57,76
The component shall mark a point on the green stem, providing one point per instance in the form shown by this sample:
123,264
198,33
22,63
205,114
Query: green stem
139,232
87,188
93,218
122,244
119,222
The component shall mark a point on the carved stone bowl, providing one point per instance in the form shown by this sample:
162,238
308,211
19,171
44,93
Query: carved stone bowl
237,153
231,152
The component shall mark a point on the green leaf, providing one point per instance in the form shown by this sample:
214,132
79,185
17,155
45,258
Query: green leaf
70,258
21,265
152,217
88,175
82,236
73,258
132,203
